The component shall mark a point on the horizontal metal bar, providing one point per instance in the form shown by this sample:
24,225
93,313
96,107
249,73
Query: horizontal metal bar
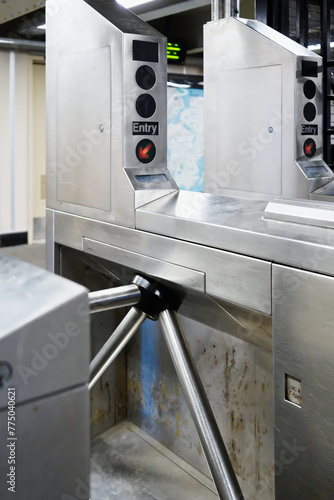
112,298
121,336
213,445
27,45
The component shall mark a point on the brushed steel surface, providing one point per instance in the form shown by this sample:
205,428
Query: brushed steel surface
213,445
44,340
50,251
244,323
91,104
254,111
154,267
303,321
43,326
249,171
227,274
224,246
282,40
319,177
238,225
52,447
83,151
324,193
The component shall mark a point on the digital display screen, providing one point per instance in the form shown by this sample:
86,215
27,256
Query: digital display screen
310,68
145,51
151,178
316,172
176,51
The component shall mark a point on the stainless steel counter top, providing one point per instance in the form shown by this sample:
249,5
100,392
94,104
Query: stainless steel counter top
238,225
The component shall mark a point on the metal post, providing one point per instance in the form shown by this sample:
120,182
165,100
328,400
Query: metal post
112,298
199,406
232,8
216,9
121,336
12,139
23,45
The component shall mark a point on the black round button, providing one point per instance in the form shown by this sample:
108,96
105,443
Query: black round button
309,89
145,77
309,148
145,105
145,151
309,112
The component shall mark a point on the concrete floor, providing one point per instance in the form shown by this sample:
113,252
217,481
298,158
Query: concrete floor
34,253
127,464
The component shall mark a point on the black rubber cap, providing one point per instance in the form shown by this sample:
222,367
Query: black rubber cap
155,297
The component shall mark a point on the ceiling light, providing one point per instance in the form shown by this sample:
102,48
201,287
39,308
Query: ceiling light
132,3
41,27
178,85
314,47
318,46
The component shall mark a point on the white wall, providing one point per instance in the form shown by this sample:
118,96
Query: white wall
5,198
13,141
22,141
37,146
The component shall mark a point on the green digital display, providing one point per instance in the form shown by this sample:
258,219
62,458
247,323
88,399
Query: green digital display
176,51
173,51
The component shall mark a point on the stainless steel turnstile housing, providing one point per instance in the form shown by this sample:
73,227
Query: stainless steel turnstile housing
263,133
256,292
44,397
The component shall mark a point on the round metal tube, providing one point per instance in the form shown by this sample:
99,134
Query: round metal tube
210,437
112,298
216,9
121,336
27,45
232,8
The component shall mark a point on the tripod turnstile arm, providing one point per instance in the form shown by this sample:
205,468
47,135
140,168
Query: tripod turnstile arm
213,446
121,336
157,302
112,298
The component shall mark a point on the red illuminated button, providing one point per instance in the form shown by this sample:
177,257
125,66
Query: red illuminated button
309,148
145,151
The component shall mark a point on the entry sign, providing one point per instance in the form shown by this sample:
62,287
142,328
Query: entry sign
145,128
145,151
309,129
